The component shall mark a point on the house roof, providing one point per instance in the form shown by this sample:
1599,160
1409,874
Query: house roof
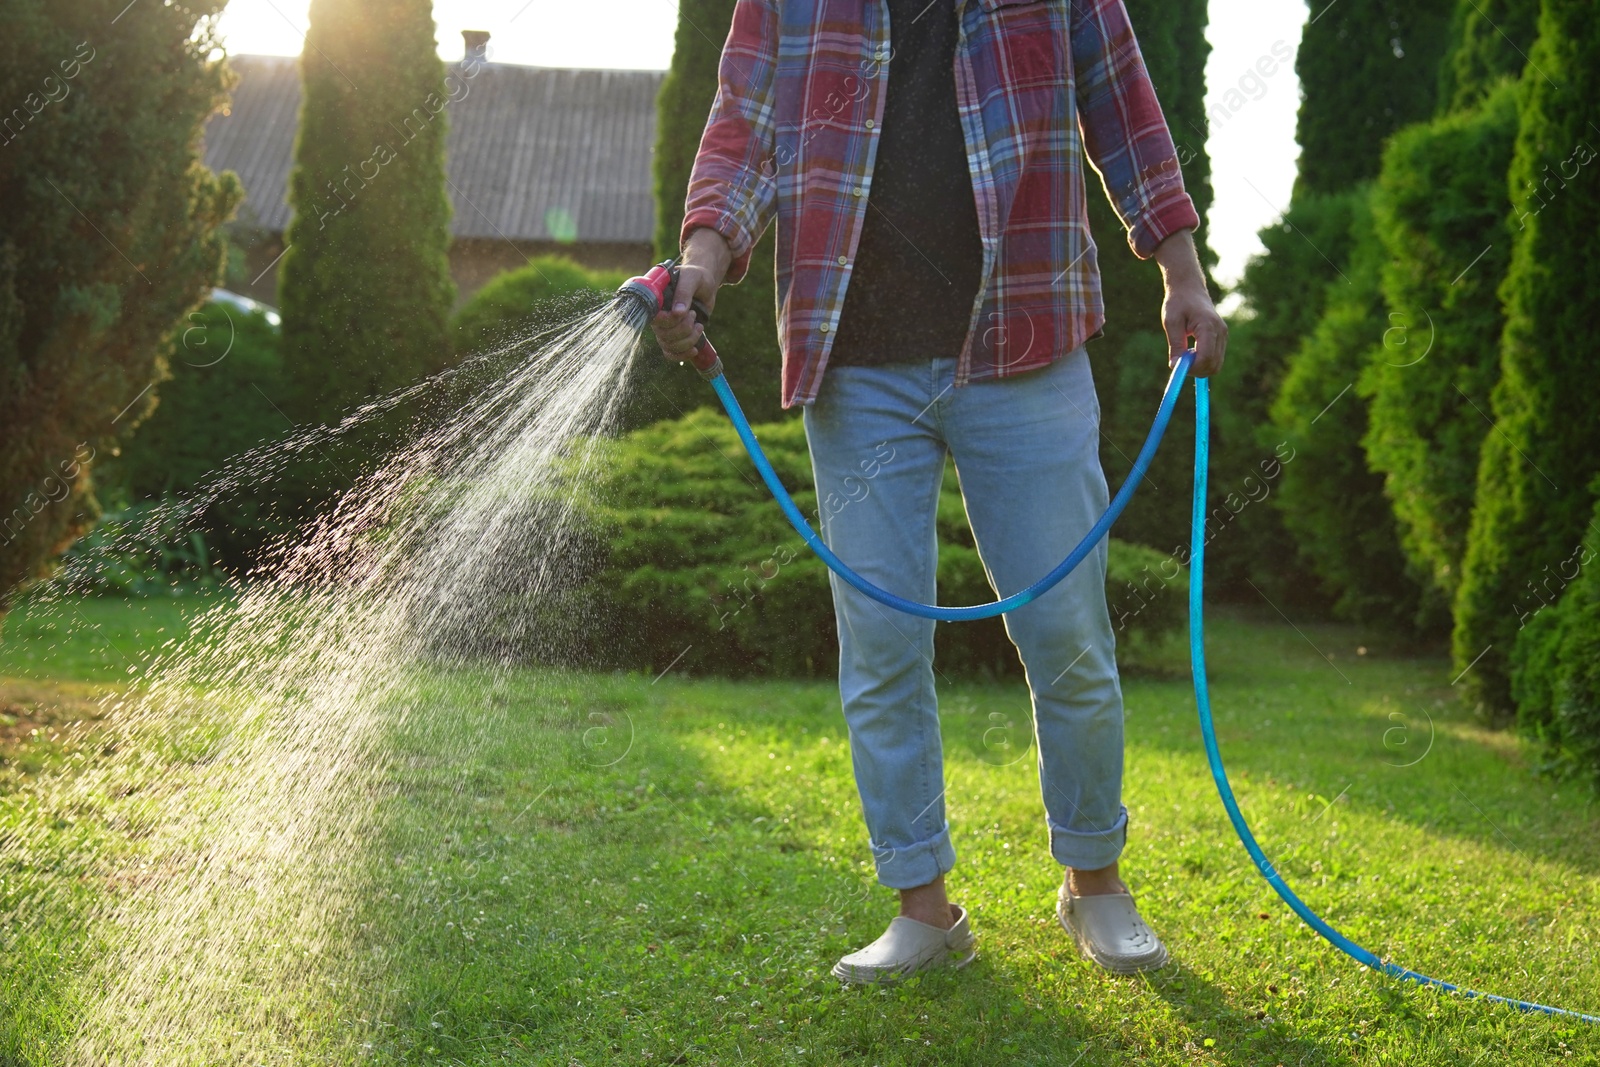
533,153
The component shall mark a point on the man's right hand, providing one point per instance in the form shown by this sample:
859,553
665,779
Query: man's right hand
705,262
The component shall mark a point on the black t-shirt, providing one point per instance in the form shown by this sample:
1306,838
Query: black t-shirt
918,264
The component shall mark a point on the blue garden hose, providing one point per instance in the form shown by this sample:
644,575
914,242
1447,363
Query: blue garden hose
1141,463
1197,652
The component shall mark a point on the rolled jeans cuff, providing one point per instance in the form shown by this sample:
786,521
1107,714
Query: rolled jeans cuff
917,864
1092,850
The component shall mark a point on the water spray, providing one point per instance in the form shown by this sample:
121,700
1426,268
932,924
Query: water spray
640,299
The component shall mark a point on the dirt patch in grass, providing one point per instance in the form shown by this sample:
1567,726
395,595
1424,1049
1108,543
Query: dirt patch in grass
33,711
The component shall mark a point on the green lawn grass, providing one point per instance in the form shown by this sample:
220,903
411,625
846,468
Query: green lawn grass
610,869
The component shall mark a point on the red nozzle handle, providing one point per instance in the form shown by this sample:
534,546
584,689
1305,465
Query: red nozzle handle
705,358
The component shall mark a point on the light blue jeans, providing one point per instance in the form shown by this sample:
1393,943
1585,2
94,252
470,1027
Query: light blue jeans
1027,452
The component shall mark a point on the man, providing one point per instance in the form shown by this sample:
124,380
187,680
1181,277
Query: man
936,285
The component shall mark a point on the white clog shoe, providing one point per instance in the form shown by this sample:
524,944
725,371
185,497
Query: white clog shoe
909,946
1109,931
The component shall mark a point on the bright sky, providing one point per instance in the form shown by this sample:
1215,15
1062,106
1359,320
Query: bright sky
1252,126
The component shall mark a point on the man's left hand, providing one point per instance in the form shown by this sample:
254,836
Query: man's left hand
1187,310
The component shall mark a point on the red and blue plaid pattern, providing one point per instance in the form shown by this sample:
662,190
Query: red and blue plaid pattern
794,128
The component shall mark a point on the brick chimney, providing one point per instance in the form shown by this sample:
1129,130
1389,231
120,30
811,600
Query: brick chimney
476,46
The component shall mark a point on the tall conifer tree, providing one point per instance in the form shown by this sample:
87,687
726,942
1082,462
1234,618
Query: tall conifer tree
365,285
1441,207
1367,68
109,234
1535,495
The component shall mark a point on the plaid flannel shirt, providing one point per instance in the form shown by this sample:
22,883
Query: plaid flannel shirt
794,128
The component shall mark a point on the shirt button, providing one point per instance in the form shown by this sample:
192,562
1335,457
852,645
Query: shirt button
844,261
869,124
824,327
858,191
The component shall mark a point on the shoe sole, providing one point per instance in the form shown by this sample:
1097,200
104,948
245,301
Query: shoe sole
851,976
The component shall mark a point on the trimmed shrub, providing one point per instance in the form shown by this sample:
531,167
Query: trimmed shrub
147,549
1330,500
1440,207
110,232
686,560
517,303
1555,664
1534,490
213,406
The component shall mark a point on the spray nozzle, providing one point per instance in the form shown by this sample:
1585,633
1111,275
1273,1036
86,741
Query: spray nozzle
642,299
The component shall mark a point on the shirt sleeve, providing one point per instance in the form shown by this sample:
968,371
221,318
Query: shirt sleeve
1124,131
731,187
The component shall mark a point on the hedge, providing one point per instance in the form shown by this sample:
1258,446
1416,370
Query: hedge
1330,500
111,231
223,398
1555,664
1440,207
1490,40
1533,498
1284,291
1366,68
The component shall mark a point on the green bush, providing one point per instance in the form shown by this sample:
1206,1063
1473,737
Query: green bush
697,562
1555,664
227,378
1440,207
521,302
1330,500
148,549
1534,496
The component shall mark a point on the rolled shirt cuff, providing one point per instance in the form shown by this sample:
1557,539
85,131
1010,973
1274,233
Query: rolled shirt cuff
739,242
1175,212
